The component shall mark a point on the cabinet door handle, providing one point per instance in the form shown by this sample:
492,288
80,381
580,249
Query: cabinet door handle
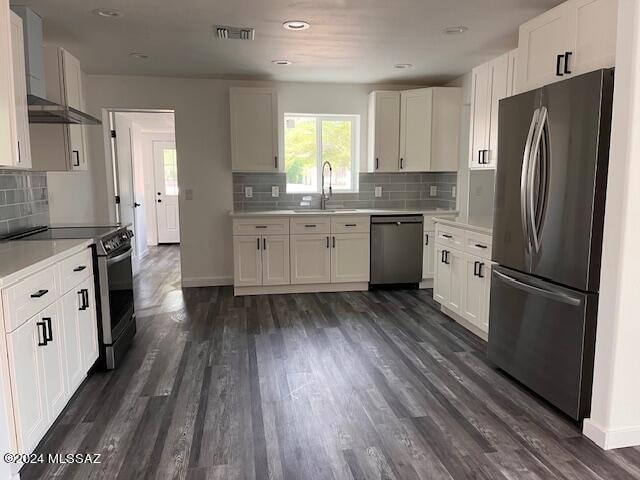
447,236
258,242
79,268
261,226
48,338
566,62
264,243
475,269
426,239
484,157
39,293
479,157
350,225
43,342
19,153
480,246
446,257
376,163
76,153
86,296
401,163
327,242
275,161
480,274
82,306
442,257
559,65
334,242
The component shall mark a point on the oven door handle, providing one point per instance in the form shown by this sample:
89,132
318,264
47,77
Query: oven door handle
117,258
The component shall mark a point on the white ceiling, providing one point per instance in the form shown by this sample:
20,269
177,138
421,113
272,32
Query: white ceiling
152,121
355,41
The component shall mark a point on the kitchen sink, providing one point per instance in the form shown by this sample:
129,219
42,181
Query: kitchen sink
329,210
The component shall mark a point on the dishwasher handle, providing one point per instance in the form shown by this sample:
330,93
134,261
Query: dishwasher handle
397,219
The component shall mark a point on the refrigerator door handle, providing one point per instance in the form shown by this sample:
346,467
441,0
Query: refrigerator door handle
533,167
553,295
524,175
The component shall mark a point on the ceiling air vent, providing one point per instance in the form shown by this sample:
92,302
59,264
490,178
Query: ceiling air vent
235,33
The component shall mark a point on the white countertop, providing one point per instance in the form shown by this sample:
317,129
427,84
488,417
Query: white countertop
479,224
342,211
20,258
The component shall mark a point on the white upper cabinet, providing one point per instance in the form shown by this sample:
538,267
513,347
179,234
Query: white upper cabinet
61,147
384,131
22,144
512,73
414,130
575,37
254,130
429,126
490,84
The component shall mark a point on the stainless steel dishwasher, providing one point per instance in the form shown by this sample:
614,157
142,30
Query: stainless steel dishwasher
396,249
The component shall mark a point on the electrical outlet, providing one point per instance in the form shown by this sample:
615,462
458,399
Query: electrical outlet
378,192
453,191
275,191
248,192
433,191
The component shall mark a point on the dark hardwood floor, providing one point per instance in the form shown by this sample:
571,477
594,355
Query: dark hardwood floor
374,385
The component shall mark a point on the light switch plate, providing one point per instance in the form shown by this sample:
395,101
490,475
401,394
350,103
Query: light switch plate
275,191
433,190
453,191
248,192
378,192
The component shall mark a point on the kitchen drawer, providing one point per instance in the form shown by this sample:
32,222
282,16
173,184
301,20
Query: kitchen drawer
343,224
26,298
310,224
260,226
75,269
479,244
450,236
430,225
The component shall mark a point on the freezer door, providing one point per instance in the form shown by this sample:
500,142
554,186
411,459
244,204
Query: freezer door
544,336
516,123
567,187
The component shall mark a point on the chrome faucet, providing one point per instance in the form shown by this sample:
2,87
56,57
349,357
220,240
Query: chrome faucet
323,196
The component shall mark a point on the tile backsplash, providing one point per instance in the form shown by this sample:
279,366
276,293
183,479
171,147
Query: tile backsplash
399,190
23,200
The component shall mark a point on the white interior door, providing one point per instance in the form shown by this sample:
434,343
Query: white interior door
165,163
124,159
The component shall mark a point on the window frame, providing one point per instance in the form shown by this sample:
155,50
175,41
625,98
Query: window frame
354,119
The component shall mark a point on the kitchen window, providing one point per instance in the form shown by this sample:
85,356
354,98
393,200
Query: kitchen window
309,141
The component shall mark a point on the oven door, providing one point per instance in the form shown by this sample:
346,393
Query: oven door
116,285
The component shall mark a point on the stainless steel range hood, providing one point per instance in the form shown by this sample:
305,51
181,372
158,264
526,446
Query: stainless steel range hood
44,111
42,105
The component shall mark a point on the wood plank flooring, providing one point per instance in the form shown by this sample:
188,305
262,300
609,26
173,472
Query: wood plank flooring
373,385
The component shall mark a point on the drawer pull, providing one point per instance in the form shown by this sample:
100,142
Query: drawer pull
39,293
480,246
350,225
79,268
447,236
310,226
261,226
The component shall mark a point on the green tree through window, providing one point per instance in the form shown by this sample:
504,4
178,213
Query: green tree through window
309,140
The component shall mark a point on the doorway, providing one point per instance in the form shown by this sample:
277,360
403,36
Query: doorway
144,162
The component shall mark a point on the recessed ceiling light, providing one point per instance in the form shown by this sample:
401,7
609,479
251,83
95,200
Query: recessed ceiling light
455,30
107,12
403,65
281,62
142,56
296,25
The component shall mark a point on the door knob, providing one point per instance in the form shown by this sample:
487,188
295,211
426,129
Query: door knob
159,201
136,204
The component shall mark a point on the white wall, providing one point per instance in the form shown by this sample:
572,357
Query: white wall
202,140
615,410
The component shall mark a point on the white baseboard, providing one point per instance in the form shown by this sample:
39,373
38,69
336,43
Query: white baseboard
188,282
610,439
465,323
310,288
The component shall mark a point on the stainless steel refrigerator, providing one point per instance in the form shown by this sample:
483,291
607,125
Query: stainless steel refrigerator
553,148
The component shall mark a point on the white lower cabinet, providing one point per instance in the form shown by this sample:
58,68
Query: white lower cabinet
310,259
247,261
275,260
48,354
428,254
350,258
462,277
